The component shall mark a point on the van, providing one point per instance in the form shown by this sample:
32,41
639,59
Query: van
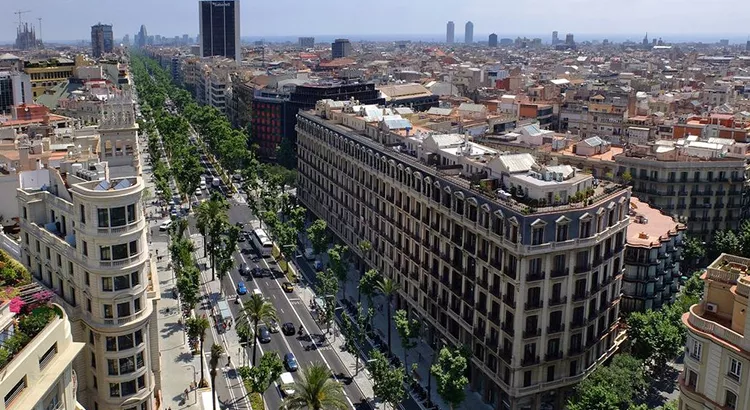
286,384
165,226
203,183
257,291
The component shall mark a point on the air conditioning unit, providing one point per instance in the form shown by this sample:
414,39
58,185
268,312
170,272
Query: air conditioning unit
711,307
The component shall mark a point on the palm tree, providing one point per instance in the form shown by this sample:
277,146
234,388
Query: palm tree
316,391
388,287
255,311
196,328
216,352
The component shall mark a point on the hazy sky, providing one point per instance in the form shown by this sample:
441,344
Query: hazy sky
72,19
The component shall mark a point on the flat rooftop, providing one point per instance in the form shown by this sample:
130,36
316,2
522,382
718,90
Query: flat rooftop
648,226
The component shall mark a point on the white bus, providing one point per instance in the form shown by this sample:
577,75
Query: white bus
262,242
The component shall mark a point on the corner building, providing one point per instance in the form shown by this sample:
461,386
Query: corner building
717,352
83,236
534,291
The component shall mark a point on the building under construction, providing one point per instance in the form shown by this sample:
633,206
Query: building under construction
26,37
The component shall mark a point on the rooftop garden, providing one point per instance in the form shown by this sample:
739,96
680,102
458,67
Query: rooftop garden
30,304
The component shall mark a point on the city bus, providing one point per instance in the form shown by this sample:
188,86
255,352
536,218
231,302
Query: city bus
262,242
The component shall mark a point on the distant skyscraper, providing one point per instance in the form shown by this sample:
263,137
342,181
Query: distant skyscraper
450,33
142,38
645,40
493,40
220,28
341,48
747,46
126,39
555,38
185,39
306,42
569,40
469,33
102,39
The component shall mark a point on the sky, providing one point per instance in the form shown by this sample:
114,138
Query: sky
72,19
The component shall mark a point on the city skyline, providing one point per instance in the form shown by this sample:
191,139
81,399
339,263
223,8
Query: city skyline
262,20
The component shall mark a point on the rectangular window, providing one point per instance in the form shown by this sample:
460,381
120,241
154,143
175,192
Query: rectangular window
83,214
135,278
735,369
133,248
123,309
108,311
105,253
128,388
137,305
696,350
117,216
125,342
138,337
139,363
47,356
122,282
87,278
131,213
127,365
119,252
15,391
731,400
141,382
93,360
103,217
85,248
112,368
114,390
107,284
88,305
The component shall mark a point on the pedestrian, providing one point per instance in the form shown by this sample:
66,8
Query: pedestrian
229,361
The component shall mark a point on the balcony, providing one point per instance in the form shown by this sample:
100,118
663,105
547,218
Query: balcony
529,361
557,301
553,356
577,323
533,305
582,268
712,324
529,333
508,328
575,350
556,328
506,355
557,273
580,296
509,301
535,276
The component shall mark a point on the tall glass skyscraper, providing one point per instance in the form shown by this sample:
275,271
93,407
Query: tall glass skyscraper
220,28
450,33
469,33
102,39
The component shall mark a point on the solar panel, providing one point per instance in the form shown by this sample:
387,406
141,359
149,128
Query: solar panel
124,183
103,186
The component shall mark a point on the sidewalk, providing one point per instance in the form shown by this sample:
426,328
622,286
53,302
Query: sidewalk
178,363
422,354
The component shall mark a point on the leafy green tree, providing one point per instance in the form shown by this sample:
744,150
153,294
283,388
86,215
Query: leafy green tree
450,376
655,338
408,331
188,285
368,284
694,251
338,265
225,261
317,233
388,288
316,391
258,378
216,351
596,398
196,328
328,287
217,223
286,153
725,242
355,336
388,382
617,385
257,310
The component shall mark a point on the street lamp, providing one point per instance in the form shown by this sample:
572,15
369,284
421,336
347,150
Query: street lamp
195,383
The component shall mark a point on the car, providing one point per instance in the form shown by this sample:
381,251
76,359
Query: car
165,225
290,362
318,266
241,238
288,329
273,326
264,335
198,192
244,270
241,289
288,287
257,292
173,213
309,255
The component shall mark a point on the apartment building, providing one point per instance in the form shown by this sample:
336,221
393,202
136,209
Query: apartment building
604,114
717,353
520,262
701,180
46,74
84,236
652,258
41,375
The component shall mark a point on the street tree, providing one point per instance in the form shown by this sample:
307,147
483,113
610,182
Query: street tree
338,265
188,286
693,251
655,339
328,287
317,233
368,285
258,378
216,351
623,380
365,247
257,310
388,382
196,328
225,261
316,391
450,376
388,288
354,331
408,331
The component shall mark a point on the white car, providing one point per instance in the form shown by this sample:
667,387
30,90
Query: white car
198,192
165,225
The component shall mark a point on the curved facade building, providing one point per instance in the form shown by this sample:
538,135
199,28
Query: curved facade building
83,235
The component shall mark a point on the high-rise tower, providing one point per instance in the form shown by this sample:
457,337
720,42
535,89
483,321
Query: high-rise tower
469,33
220,28
450,33
102,39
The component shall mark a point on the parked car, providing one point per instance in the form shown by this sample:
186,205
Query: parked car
288,287
264,335
288,329
290,362
241,289
241,238
309,255
198,192
165,225
318,266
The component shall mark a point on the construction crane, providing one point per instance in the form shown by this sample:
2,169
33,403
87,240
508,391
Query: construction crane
20,13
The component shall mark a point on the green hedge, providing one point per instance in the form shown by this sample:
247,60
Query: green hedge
256,402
